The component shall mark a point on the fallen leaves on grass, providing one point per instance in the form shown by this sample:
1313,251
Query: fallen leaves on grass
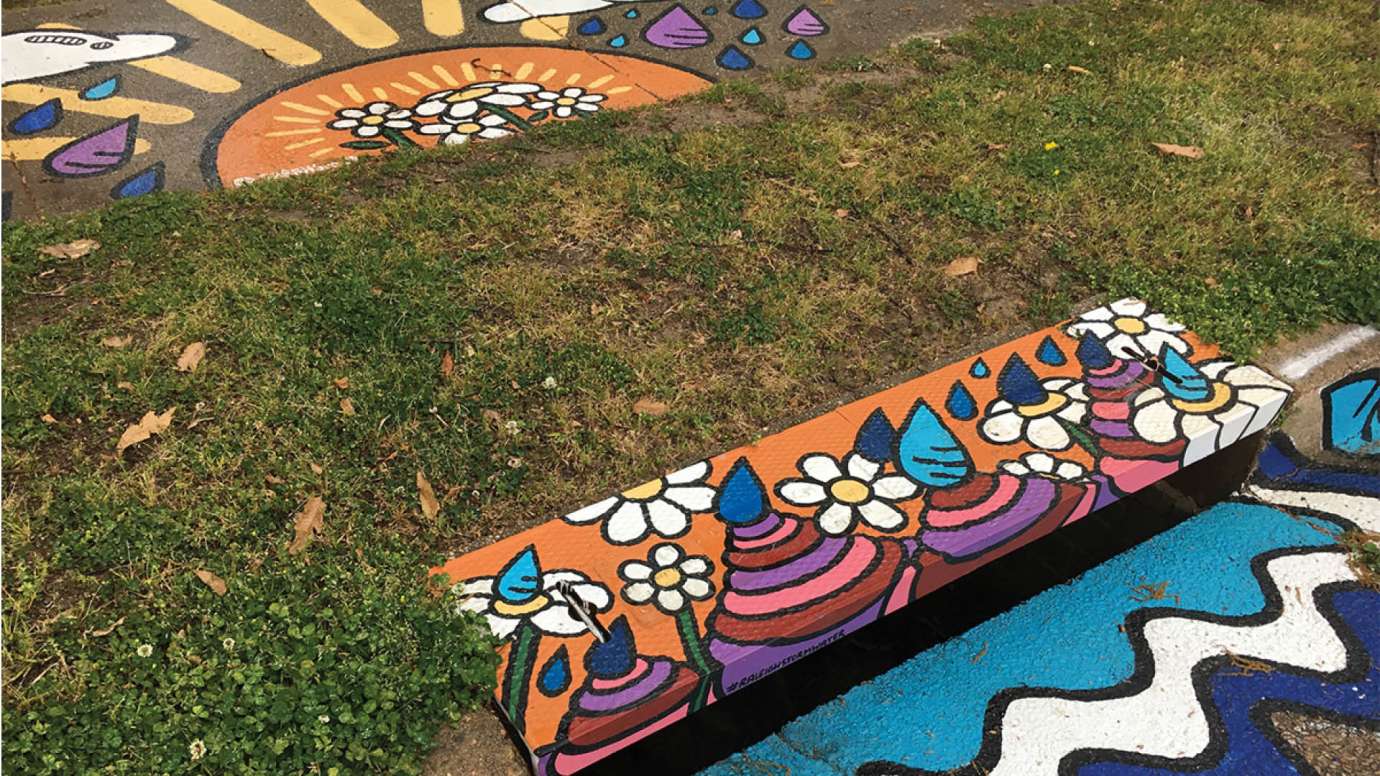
191,357
343,383
48,418
650,407
347,407
308,523
1079,70
116,341
430,506
1172,149
107,630
212,581
963,265
447,364
72,250
147,426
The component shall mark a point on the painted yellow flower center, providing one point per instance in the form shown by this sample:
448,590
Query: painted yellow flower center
1052,403
372,120
647,490
667,578
517,610
1130,325
565,101
1221,394
472,93
468,128
849,491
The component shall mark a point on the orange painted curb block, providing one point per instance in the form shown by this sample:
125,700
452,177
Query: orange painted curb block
625,616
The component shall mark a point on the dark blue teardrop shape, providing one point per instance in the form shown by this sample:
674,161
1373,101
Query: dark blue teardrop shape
800,50
979,369
614,657
554,677
748,9
45,116
732,58
591,26
928,453
876,437
146,181
520,580
1018,384
1093,353
960,403
1049,353
742,499
102,90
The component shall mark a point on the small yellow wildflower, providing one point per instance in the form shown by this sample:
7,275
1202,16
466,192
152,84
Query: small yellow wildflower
1051,145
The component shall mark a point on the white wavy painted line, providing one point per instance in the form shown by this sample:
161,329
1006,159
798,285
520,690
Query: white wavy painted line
1166,719
1364,511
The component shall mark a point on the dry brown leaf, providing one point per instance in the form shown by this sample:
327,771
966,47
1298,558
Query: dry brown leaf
430,506
963,265
842,213
49,419
72,250
273,480
850,164
347,407
307,524
125,385
343,383
1079,70
191,357
650,407
114,341
1210,282
147,426
212,581
997,146
1187,152
492,416
316,468
109,629
447,364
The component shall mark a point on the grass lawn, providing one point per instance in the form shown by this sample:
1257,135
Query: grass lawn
493,314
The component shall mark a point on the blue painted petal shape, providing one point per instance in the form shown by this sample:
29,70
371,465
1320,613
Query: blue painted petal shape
45,116
748,9
1049,353
800,50
618,42
1093,353
979,369
731,58
591,26
614,657
876,438
1018,384
101,90
554,677
520,581
960,403
632,13
752,37
1181,379
928,453
1351,412
710,10
742,499
146,181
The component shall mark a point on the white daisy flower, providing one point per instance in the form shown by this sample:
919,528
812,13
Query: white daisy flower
1235,401
566,102
547,609
196,749
668,578
1046,465
1130,330
662,505
489,127
373,119
844,498
1033,410
144,650
460,104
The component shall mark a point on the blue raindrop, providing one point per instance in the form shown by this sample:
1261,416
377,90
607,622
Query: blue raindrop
876,437
732,58
979,369
928,453
1351,414
748,9
619,42
710,10
1092,352
800,50
520,581
101,90
960,403
1181,379
752,37
1018,384
591,26
554,677
146,181
1049,353
45,116
615,656
742,499
632,13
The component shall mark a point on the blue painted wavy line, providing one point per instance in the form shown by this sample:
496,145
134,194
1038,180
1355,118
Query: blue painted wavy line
1242,702
1280,464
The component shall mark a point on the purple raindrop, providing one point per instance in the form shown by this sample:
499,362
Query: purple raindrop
805,23
677,28
96,154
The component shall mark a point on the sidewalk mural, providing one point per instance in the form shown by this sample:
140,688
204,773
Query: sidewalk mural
1255,611
343,80
715,575
1351,414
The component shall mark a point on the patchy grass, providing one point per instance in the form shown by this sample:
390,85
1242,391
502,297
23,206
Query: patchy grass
741,257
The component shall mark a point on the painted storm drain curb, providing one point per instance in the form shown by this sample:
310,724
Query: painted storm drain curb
632,613
113,113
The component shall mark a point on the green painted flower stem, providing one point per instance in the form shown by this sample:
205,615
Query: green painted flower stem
520,661
696,654
510,117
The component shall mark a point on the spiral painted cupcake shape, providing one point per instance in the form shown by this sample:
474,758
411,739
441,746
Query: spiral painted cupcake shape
789,588
992,509
625,697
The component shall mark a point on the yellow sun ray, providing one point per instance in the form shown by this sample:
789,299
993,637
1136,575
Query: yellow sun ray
172,68
524,70
545,28
29,149
331,101
443,17
303,143
115,107
618,90
546,76
352,92
467,70
600,81
380,93
405,89
297,119
445,75
288,132
351,19
249,32
322,152
309,110
573,79
423,80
